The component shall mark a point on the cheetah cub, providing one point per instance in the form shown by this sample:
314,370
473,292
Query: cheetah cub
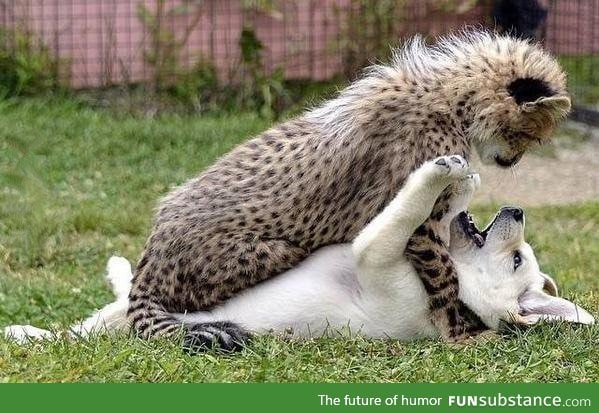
370,287
320,178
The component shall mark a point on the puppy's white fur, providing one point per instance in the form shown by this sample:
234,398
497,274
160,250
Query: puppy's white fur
112,317
369,287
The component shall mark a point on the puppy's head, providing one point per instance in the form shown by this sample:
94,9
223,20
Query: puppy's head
520,100
499,275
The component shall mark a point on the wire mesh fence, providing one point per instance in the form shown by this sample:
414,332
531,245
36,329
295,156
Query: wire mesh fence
103,43
572,33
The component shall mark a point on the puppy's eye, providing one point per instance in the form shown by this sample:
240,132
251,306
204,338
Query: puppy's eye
517,260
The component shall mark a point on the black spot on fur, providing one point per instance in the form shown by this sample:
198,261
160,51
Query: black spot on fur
437,303
421,230
528,89
452,317
430,289
438,215
432,272
434,237
426,255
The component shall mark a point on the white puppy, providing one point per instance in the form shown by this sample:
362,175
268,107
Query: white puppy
368,287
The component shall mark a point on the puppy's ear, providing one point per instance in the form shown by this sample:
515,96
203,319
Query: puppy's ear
538,305
549,286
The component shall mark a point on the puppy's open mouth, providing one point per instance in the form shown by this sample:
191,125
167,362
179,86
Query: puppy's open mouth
469,227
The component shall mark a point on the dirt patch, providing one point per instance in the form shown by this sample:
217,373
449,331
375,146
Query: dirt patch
564,173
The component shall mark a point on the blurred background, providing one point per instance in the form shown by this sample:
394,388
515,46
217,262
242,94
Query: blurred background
259,54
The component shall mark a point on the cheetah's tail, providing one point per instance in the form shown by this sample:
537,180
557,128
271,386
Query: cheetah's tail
201,332
149,320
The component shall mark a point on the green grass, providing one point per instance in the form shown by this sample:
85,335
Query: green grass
79,185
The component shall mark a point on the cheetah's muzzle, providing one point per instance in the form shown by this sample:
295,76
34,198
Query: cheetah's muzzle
506,163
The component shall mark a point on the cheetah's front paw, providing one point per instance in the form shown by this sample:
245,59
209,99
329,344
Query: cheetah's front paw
445,170
454,166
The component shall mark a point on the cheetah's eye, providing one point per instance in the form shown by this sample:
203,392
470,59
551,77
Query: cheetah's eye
517,260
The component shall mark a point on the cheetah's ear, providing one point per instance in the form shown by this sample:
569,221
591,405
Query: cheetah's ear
560,104
532,94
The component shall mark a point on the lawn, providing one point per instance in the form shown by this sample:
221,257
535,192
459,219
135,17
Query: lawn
78,185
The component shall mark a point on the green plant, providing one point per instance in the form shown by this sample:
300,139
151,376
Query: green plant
259,90
455,6
371,28
26,65
269,7
197,88
250,87
583,77
165,47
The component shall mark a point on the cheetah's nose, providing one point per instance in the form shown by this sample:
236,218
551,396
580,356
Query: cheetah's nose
516,212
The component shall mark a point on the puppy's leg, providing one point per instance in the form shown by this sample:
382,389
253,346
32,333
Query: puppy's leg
428,252
23,334
111,317
384,240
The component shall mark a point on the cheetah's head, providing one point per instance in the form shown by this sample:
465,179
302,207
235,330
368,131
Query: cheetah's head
499,274
519,102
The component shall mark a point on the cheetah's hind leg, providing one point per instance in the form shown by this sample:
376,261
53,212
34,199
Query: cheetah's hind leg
428,252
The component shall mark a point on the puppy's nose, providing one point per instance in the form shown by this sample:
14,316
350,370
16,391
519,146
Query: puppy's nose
517,213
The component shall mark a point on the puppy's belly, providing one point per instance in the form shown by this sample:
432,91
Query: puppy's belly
323,296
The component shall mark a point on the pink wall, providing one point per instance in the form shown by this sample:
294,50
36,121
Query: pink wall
104,40
573,27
